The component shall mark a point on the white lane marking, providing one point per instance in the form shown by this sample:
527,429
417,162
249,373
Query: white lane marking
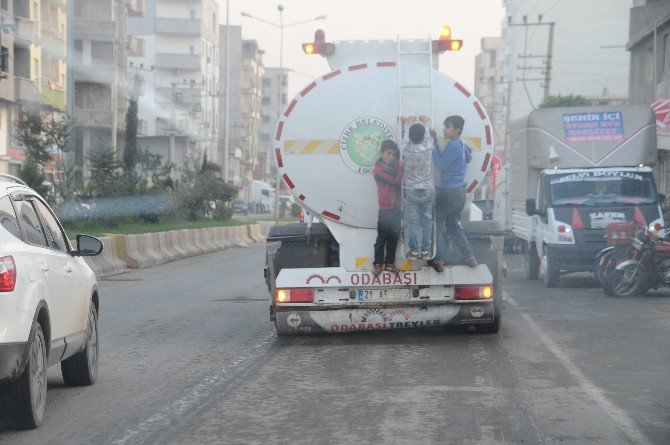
618,415
178,409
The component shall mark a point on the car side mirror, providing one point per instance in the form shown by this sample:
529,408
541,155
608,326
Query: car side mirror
87,245
530,207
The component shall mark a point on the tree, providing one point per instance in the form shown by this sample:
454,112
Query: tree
130,147
46,139
565,101
203,195
32,175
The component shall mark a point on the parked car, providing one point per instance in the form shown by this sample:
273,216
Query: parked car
239,206
48,305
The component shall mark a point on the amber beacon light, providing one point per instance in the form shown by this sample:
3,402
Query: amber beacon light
445,42
319,45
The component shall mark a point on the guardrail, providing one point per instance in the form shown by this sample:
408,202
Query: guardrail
121,252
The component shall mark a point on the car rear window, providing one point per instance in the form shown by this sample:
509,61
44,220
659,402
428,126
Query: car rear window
8,217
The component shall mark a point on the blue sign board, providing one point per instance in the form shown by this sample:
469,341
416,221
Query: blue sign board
598,126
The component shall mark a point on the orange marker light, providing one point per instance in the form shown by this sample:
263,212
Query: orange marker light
309,48
455,45
445,32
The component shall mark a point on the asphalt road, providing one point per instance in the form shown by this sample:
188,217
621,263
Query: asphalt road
188,355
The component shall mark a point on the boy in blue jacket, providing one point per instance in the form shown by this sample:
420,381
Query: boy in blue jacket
452,163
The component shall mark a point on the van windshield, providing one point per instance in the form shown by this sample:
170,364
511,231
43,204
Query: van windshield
602,188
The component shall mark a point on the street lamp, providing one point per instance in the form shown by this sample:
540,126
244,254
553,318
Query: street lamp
281,27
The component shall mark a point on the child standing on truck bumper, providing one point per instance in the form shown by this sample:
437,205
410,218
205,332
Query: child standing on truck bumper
419,189
388,174
452,162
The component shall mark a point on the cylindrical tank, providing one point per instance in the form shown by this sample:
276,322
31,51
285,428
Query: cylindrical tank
327,140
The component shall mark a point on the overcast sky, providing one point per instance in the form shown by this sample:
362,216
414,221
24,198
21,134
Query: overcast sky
470,20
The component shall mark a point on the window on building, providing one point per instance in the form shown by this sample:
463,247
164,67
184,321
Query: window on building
78,52
192,11
4,59
102,52
664,54
266,101
266,119
4,5
267,82
191,49
36,68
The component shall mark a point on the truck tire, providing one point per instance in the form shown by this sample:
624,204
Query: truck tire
531,262
23,401
491,261
550,275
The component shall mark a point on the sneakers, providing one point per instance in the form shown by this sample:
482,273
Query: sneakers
391,268
471,261
377,269
412,255
426,254
437,265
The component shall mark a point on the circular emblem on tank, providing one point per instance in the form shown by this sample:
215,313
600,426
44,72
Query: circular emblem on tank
360,142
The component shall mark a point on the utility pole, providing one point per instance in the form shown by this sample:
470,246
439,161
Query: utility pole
226,116
547,58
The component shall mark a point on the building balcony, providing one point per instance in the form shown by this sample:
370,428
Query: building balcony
97,29
94,73
135,46
94,118
53,42
178,61
25,90
184,27
137,8
53,96
25,31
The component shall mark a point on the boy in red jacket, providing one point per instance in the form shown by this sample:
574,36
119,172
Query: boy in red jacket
388,173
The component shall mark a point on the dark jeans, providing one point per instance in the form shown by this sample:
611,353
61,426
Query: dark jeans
449,204
388,232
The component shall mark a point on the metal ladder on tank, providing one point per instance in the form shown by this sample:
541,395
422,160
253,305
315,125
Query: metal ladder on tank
401,88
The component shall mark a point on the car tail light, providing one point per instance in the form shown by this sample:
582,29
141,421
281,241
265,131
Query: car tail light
305,295
7,274
473,292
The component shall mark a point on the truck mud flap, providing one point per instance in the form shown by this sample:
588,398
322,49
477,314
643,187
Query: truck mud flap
300,320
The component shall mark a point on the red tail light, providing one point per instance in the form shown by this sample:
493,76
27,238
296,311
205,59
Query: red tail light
7,274
305,295
473,292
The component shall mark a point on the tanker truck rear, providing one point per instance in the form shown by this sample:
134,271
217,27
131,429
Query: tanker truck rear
327,142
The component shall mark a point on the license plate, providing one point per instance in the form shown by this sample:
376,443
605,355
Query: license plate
383,294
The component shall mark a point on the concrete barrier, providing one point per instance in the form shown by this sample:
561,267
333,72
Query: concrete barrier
187,244
162,247
215,238
107,263
173,240
150,249
256,233
206,241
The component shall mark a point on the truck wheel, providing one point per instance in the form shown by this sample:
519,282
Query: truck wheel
550,275
532,262
491,261
82,368
23,401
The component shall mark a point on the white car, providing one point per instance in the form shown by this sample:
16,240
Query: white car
48,305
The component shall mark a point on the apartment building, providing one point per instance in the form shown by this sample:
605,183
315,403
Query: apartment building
100,84
490,87
180,70
33,68
274,101
234,59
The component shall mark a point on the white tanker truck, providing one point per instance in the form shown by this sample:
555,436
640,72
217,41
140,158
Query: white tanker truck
326,143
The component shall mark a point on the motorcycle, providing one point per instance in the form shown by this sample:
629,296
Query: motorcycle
619,237
645,266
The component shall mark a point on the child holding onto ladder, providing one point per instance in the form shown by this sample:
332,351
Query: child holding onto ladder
452,163
388,173
419,189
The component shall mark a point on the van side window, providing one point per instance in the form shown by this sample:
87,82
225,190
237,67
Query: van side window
30,223
8,217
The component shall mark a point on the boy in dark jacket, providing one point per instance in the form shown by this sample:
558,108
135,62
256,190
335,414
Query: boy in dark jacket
388,173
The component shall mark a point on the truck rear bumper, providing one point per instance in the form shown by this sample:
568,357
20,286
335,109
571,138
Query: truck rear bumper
301,319
574,258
